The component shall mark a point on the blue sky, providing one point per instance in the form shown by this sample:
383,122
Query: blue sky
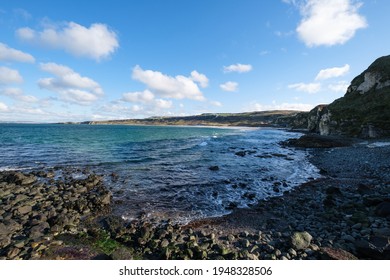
74,60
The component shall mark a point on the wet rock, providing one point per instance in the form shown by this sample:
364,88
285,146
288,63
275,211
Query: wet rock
13,253
383,209
232,205
214,168
333,190
106,199
377,247
317,141
23,210
5,240
21,179
372,200
301,240
240,153
364,189
4,230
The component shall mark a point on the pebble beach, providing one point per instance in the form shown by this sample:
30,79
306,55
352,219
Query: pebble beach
345,214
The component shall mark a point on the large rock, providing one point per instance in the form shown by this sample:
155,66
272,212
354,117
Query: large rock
377,247
4,230
336,254
21,179
301,240
5,238
23,210
317,141
383,209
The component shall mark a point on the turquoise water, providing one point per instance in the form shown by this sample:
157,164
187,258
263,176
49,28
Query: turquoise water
163,172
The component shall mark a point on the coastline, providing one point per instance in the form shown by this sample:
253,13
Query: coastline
346,212
344,215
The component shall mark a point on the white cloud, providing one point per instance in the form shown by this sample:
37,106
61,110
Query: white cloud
200,78
309,87
95,42
240,68
284,106
17,94
329,22
3,107
145,96
71,86
216,103
27,98
10,54
9,76
136,108
229,86
339,87
178,87
284,34
262,53
334,72
11,92
162,104
26,33
23,14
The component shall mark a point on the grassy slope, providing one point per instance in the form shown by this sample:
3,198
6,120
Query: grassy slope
373,107
266,118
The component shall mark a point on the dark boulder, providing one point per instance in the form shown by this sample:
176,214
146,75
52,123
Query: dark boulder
377,248
383,209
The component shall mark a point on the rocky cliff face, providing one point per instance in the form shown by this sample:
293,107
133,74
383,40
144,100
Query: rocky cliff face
364,111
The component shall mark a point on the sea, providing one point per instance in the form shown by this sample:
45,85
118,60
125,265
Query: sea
164,172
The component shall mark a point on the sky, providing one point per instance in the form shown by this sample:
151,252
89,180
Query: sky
69,60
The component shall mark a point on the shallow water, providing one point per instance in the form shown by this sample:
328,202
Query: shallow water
163,172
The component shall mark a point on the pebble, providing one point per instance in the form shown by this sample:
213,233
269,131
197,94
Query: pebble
30,205
348,238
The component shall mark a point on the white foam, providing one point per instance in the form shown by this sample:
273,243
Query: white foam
378,144
12,168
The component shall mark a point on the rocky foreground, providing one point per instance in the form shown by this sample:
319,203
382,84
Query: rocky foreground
344,215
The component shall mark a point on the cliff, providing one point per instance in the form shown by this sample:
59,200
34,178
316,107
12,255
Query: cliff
364,111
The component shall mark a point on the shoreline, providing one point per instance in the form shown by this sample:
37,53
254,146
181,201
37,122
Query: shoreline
346,212
344,215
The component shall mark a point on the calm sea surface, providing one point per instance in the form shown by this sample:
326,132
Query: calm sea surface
163,172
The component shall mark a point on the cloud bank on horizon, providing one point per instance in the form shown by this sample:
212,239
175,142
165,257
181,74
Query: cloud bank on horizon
89,68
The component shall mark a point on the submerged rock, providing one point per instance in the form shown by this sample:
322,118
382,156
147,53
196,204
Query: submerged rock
214,168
